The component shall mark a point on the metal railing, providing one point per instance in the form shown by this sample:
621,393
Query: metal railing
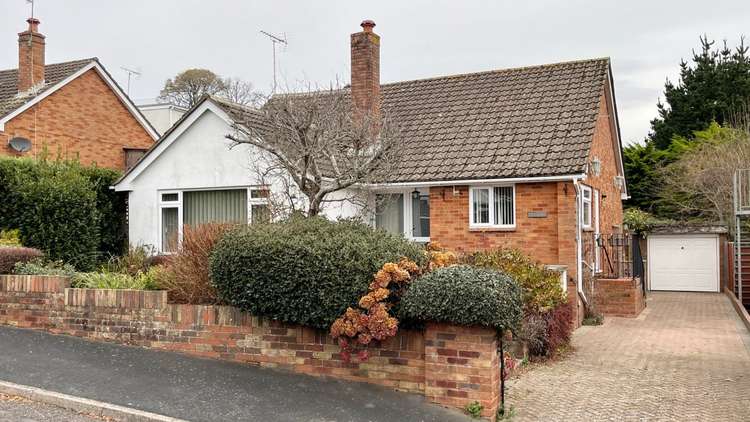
609,255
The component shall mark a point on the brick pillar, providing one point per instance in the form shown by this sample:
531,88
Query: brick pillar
30,57
462,365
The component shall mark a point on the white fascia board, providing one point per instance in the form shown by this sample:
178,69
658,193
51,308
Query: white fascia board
562,178
126,183
107,79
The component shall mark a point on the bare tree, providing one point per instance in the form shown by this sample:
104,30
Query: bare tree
700,183
321,142
240,92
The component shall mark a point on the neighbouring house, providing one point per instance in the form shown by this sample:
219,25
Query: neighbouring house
71,109
527,157
161,115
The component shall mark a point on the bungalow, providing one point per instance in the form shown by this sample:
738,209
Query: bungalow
74,109
527,157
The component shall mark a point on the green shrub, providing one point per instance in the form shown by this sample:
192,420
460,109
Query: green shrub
305,270
136,260
61,194
474,409
41,266
106,280
61,218
10,238
112,208
10,256
541,287
464,295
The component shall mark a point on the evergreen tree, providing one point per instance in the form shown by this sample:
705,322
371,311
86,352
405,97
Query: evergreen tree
717,84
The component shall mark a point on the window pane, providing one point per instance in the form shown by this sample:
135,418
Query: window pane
481,206
169,197
261,214
420,215
218,206
587,214
504,205
586,193
169,226
389,213
258,193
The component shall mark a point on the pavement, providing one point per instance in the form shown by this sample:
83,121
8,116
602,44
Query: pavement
18,409
197,389
685,358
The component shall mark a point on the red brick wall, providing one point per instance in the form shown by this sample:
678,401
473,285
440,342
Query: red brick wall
450,365
610,207
84,118
550,240
621,297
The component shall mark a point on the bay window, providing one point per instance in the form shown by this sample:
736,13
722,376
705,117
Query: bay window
492,206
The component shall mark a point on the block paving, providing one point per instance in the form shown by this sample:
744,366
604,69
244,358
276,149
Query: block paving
685,358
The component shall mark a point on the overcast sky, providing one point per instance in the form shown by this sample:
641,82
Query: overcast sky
419,39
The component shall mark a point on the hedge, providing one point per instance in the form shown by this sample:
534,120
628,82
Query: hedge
63,208
305,270
464,295
10,256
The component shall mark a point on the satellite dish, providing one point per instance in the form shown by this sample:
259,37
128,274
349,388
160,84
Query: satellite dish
20,144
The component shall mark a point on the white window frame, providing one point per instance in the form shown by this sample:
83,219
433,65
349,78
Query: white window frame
408,212
586,203
178,204
169,204
491,223
597,234
256,201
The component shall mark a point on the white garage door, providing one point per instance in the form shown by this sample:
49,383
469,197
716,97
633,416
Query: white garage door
688,262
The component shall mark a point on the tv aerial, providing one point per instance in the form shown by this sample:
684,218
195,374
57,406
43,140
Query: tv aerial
132,73
275,39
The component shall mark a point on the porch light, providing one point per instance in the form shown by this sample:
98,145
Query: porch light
415,194
596,166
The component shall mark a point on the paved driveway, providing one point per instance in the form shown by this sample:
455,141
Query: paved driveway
685,358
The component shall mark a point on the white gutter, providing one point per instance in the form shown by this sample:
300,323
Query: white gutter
579,238
563,178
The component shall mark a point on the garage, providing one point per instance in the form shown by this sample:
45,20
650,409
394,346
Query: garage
687,262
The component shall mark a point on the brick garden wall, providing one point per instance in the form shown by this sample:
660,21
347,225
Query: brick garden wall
83,119
621,297
450,365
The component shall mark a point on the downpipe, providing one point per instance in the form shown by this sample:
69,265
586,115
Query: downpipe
579,243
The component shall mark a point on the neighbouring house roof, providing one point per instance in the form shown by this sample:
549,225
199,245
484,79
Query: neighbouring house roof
527,122
53,74
56,76
682,227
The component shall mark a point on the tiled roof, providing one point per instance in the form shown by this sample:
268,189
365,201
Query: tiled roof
53,73
524,122
510,123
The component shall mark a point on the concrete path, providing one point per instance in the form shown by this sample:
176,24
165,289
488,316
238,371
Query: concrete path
197,389
685,358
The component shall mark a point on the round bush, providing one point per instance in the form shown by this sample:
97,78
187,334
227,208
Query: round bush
464,295
10,256
305,270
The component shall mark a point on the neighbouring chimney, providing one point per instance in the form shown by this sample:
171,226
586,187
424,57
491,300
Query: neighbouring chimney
30,57
366,69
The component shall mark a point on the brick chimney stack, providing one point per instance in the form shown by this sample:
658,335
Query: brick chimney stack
30,57
366,69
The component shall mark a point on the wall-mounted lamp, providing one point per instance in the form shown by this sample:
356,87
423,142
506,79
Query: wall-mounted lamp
596,166
415,194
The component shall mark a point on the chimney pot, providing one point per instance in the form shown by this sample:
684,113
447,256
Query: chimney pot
33,24
367,25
